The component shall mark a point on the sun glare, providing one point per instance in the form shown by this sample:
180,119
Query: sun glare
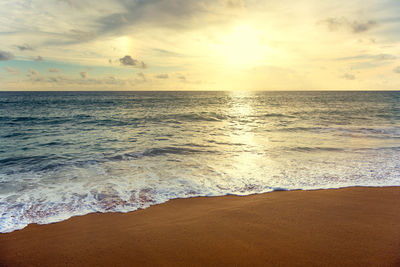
242,46
124,44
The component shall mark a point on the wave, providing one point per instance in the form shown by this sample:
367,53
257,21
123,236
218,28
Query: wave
49,162
85,119
15,134
137,180
277,115
303,129
381,132
153,152
313,149
22,160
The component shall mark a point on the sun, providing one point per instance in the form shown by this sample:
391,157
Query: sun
242,46
124,44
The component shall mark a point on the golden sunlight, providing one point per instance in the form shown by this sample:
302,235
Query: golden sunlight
242,47
124,44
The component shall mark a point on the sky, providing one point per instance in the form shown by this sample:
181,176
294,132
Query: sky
199,45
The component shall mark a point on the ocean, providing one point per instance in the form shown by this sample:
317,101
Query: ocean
71,153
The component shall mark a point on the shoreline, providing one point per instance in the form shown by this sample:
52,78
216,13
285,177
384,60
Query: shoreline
278,189
352,226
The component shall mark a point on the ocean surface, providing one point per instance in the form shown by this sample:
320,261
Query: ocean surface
72,153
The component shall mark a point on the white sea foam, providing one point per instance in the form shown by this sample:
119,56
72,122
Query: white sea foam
127,185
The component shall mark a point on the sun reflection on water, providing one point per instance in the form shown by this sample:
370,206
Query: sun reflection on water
252,159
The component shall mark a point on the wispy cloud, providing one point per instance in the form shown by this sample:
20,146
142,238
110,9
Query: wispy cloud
55,70
83,74
38,58
162,76
71,81
235,3
33,72
354,26
141,75
73,3
82,36
12,70
379,57
161,13
348,76
24,47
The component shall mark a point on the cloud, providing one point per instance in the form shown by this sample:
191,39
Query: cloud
11,70
129,61
38,58
368,61
83,74
379,57
82,36
182,78
62,80
386,57
33,72
4,56
162,76
349,76
397,69
335,24
24,47
357,26
171,14
141,75
53,70
235,3
73,3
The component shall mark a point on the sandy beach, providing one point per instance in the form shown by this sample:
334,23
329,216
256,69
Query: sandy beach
342,227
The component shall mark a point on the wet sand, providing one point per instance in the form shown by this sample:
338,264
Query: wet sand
342,227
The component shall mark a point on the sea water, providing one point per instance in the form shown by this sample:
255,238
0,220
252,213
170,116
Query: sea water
72,153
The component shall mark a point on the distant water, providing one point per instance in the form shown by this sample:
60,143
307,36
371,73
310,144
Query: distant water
72,153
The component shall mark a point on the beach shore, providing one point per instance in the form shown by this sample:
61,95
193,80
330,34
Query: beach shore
356,226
